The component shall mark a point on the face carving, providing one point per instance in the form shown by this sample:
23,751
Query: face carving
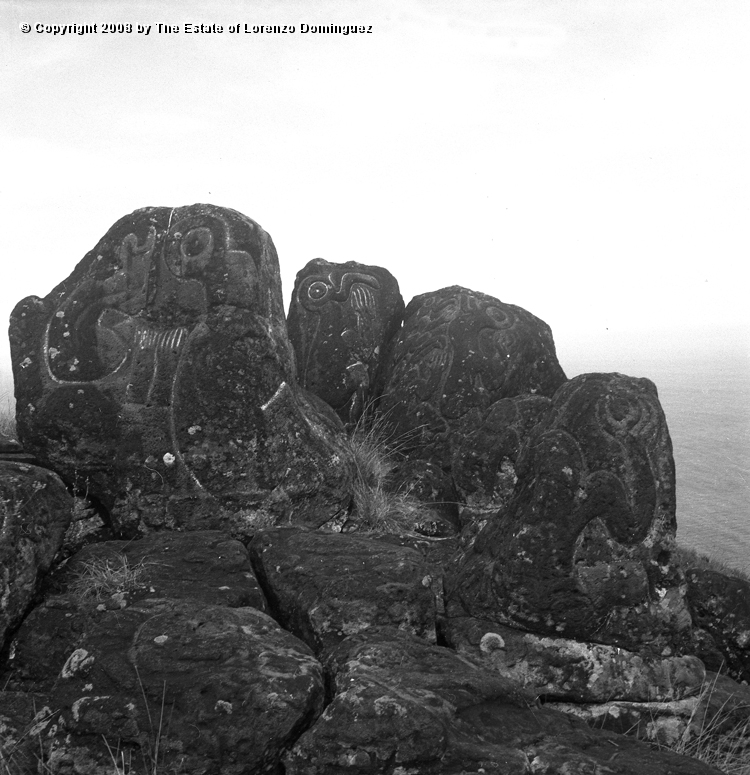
166,343
340,319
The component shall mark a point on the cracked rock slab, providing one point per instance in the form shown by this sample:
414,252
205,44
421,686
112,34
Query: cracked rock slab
405,706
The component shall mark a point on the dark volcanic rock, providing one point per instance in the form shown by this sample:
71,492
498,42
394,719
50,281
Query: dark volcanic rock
485,457
206,567
582,551
572,670
340,319
161,376
720,607
171,685
458,352
402,706
35,511
326,586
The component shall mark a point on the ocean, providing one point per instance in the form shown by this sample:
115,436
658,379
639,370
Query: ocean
706,400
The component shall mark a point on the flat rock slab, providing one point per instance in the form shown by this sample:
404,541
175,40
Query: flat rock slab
401,705
35,512
168,685
326,586
207,567
340,319
160,377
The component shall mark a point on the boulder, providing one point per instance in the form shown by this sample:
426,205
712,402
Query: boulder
401,705
340,319
582,551
457,353
159,377
35,511
720,607
326,586
160,684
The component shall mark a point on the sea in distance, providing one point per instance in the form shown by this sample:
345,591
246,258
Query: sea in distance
704,390
705,394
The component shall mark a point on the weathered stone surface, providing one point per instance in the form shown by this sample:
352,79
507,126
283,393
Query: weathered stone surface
722,708
401,705
485,456
160,375
35,511
172,686
580,672
720,607
207,567
340,318
429,483
458,352
326,586
582,550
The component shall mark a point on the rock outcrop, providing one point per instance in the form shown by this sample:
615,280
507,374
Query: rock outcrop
237,627
169,676
159,375
401,705
340,319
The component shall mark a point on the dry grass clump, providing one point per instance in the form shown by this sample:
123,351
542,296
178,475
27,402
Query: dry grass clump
717,738
104,578
379,506
7,416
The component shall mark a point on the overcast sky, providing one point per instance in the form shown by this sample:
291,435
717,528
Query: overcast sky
586,160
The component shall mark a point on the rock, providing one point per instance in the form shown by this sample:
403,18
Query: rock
159,377
485,457
9,446
575,671
430,484
169,685
582,550
458,352
35,511
720,607
206,567
401,705
326,586
720,711
340,318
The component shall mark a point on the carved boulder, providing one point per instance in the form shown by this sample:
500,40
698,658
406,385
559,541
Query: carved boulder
159,376
583,549
457,353
340,319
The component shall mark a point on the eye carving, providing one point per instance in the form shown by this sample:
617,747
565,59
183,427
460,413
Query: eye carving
317,291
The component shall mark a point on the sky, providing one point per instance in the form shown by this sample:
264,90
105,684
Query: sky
585,159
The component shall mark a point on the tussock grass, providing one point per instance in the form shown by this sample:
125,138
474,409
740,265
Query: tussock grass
106,577
717,738
379,506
